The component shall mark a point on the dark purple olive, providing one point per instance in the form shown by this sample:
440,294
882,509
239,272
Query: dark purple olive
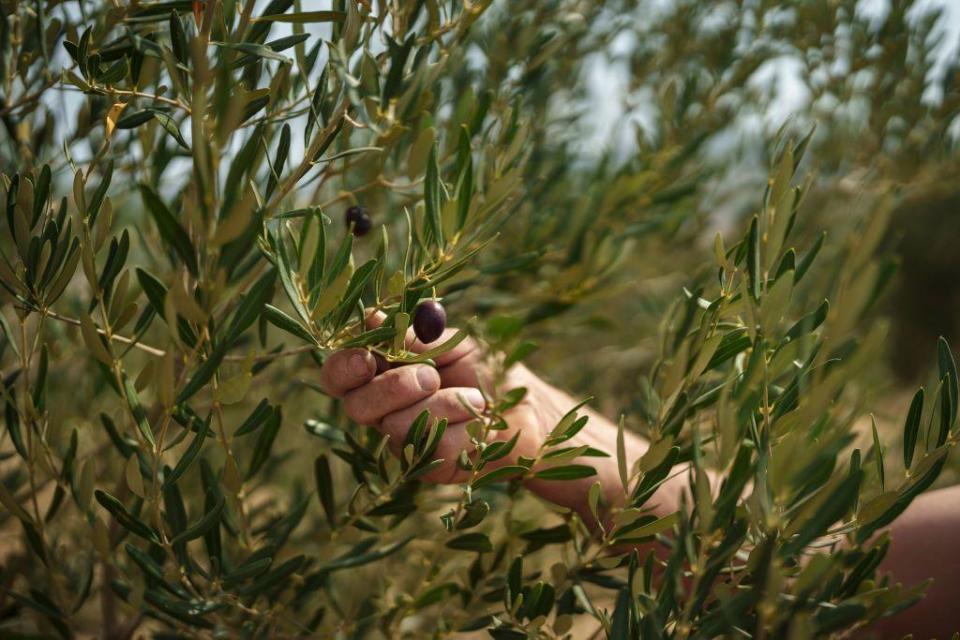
358,220
382,363
429,321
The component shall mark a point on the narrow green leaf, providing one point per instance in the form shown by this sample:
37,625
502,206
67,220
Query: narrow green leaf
500,448
250,569
439,350
464,187
207,522
878,452
475,541
324,479
809,323
946,410
178,39
279,161
355,559
807,260
622,455
96,202
948,366
911,428
304,17
252,304
170,229
170,126
155,291
40,380
149,567
124,517
282,321
11,504
202,375
8,334
498,475
253,51
435,594
341,259
261,451
139,414
620,622
275,576
566,472
35,540
260,413
189,456
431,199
833,509
753,259
401,321
135,119
353,292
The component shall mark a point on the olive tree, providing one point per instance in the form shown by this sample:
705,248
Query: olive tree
238,184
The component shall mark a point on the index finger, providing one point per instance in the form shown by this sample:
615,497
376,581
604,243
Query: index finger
346,370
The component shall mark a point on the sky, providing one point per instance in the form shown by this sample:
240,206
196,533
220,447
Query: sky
608,83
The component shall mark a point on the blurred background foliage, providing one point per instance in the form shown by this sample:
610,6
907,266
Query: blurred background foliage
614,139
697,117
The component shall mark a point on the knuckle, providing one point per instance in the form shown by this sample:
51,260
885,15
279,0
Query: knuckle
393,382
335,374
400,381
337,360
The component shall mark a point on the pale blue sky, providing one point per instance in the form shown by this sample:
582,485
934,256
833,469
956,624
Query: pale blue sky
613,108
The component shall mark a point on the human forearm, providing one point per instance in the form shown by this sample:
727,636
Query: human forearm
599,433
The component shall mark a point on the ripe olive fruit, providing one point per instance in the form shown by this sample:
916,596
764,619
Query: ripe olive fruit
382,363
358,220
429,321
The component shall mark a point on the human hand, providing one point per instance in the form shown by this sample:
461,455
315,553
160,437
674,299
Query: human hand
392,400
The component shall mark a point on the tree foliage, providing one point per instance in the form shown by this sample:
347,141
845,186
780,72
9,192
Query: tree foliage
175,264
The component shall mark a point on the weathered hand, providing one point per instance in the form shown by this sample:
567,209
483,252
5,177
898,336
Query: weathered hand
392,400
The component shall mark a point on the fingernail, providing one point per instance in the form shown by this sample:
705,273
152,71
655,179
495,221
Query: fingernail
358,365
475,398
427,378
